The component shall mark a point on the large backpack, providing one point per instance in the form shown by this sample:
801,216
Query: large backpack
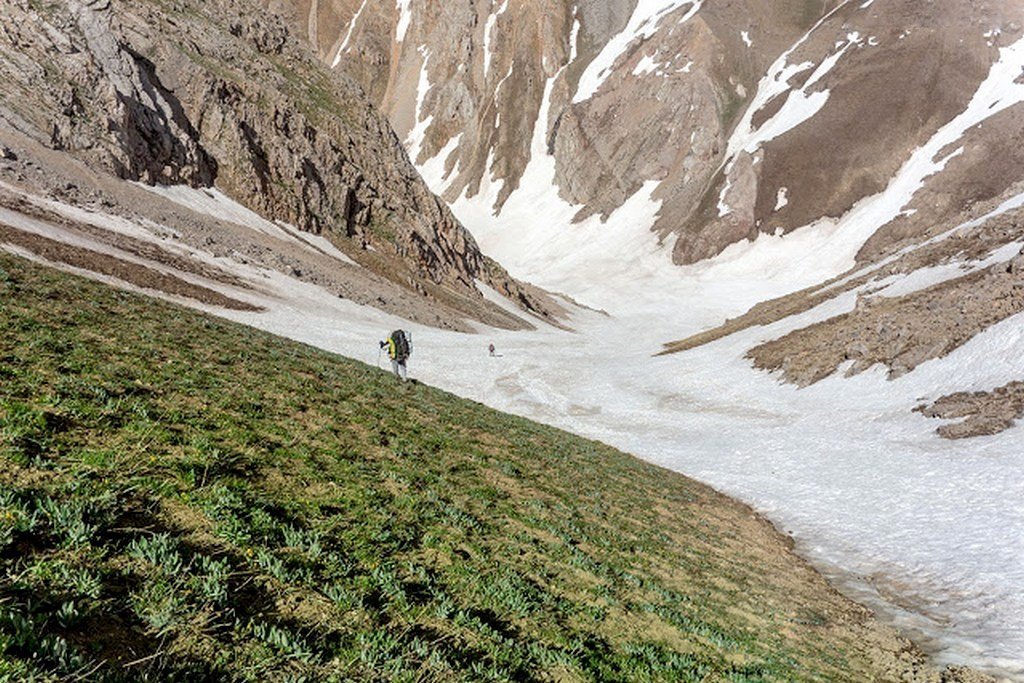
401,341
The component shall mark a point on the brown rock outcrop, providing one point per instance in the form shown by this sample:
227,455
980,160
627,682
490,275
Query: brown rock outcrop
982,412
898,332
213,93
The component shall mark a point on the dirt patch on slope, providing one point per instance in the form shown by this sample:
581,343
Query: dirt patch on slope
900,332
970,243
983,412
126,271
135,247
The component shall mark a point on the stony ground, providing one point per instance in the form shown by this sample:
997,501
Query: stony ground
982,412
898,332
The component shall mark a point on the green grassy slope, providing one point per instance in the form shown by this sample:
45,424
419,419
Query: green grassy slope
187,499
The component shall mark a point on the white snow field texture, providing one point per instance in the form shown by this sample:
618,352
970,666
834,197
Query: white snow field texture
404,19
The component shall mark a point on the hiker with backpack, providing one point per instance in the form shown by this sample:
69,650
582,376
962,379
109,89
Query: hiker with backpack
399,345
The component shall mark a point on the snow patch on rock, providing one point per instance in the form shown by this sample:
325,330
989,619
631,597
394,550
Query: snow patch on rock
348,35
782,198
642,24
414,141
492,19
404,8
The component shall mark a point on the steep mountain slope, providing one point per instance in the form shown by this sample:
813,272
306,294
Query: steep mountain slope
213,95
747,116
848,171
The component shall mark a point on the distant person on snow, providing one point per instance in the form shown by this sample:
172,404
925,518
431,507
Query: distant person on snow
399,349
491,349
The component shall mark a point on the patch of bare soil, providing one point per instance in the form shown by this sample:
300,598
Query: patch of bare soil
126,271
900,332
969,244
136,247
982,412
37,172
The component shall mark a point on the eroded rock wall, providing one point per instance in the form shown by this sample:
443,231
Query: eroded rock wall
752,117
221,93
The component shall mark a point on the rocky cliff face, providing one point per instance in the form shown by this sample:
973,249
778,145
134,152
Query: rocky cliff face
217,94
749,116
